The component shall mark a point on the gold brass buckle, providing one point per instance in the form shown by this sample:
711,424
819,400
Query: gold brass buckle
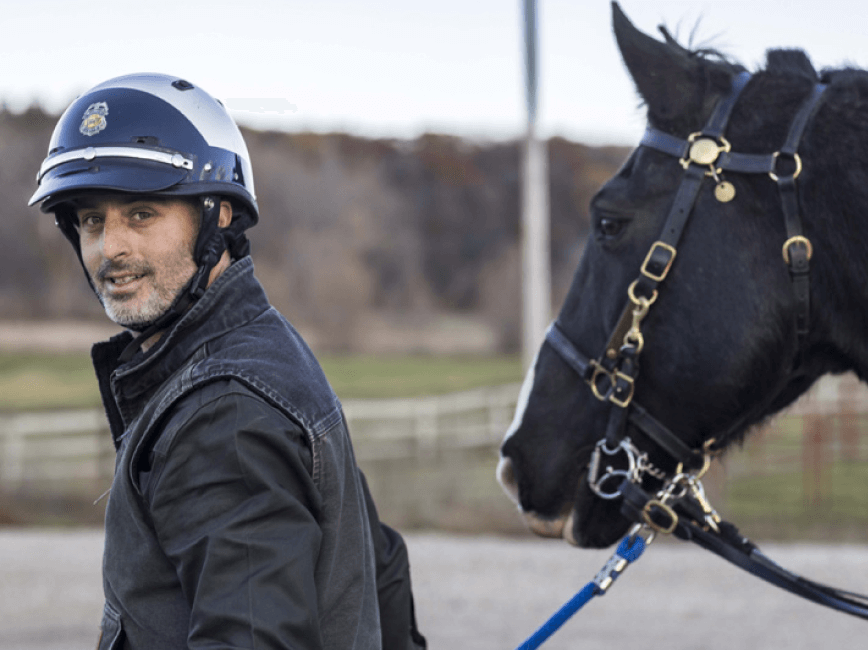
623,403
796,173
673,517
644,269
798,239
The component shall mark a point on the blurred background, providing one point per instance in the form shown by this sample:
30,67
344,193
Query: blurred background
386,139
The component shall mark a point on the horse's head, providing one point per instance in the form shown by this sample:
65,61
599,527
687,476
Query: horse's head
720,342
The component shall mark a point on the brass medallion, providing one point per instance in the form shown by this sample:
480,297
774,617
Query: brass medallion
724,191
704,151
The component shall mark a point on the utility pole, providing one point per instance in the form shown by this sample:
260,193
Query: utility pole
536,265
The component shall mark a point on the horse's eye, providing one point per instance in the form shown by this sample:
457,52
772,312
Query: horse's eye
610,227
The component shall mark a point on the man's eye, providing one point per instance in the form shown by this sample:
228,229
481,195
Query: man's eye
89,221
610,227
141,216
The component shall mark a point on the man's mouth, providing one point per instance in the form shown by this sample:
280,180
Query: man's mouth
122,280
123,286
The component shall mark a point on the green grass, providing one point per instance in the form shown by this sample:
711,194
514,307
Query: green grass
777,507
842,495
371,377
787,503
45,381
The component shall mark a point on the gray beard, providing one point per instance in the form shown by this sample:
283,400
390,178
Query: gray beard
158,306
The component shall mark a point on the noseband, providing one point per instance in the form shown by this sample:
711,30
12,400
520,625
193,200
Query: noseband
611,377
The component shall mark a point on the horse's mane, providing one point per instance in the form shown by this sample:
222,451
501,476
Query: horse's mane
779,61
790,62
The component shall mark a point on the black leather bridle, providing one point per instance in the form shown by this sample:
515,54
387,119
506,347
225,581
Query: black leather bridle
612,376
680,506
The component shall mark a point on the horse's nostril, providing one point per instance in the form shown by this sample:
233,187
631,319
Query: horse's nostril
506,478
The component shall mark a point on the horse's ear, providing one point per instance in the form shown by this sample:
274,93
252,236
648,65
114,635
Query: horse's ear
669,78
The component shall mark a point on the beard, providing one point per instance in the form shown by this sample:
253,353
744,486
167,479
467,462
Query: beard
153,291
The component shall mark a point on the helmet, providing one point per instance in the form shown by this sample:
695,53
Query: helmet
159,135
148,133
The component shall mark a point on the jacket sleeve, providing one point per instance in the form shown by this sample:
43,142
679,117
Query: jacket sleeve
394,590
235,509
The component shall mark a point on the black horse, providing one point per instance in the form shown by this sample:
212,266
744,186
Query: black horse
736,332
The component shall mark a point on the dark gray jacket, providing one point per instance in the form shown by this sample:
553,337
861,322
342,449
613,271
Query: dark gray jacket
238,517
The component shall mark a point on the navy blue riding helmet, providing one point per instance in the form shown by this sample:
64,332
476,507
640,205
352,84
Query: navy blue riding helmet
153,134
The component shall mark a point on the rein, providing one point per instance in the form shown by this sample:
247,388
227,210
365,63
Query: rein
680,507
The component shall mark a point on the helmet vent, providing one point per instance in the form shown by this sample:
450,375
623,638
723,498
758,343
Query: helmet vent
181,84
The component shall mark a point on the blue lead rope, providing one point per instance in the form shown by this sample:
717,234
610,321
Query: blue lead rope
629,550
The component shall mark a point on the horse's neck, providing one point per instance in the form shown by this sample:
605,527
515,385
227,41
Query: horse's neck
840,290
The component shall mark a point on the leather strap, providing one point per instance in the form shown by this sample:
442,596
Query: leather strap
798,253
729,544
680,211
746,163
800,121
569,352
660,434
638,416
664,142
720,117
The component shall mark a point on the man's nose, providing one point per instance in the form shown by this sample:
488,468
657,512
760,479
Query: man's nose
115,238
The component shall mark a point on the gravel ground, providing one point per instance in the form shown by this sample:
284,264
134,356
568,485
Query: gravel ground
477,593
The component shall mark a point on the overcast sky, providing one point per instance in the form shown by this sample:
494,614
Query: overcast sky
396,68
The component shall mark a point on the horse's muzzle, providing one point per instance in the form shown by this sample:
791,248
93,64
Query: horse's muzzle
559,527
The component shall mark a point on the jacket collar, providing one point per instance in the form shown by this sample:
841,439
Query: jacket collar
235,298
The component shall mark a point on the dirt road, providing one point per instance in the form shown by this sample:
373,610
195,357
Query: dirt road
481,593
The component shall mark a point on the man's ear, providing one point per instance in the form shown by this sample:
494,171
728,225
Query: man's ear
225,214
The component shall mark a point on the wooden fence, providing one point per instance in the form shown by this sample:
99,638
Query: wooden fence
430,461
41,451
72,449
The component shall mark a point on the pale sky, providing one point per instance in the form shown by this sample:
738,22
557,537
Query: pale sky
397,68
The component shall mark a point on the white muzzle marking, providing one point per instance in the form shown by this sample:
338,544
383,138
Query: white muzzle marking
523,399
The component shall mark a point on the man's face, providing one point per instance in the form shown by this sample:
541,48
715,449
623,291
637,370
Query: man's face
138,252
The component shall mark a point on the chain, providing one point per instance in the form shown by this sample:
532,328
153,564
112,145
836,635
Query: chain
678,487
601,476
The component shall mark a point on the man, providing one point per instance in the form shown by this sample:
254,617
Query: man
237,517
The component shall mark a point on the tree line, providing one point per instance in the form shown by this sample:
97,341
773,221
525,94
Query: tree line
350,228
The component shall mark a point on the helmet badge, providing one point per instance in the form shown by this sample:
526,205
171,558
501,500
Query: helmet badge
93,121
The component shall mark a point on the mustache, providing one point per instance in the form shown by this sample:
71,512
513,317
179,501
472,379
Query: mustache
112,266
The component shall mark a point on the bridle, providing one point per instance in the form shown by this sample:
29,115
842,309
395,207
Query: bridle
680,506
612,376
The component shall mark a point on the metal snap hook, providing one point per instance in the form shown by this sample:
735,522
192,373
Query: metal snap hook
593,382
640,300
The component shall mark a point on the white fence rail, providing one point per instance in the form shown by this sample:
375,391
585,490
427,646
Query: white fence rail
44,451
57,446
74,448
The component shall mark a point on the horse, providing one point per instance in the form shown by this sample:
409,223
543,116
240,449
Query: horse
726,255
